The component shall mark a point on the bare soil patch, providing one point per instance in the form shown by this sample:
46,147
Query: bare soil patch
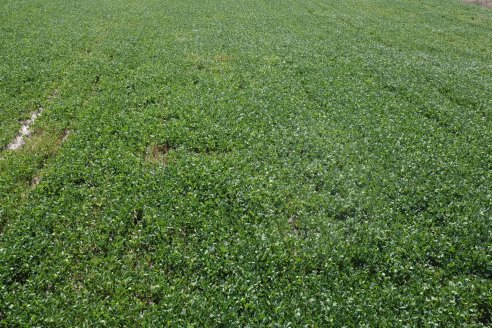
66,133
483,3
35,181
158,153
25,131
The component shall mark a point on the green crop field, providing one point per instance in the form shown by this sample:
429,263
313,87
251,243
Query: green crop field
245,163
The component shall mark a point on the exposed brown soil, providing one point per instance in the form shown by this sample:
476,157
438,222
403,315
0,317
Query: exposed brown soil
294,224
158,153
54,94
483,3
65,135
35,181
24,132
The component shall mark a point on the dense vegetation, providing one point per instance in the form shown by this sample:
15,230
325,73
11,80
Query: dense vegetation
225,163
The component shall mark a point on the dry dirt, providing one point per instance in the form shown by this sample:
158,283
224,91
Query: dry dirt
24,131
483,3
